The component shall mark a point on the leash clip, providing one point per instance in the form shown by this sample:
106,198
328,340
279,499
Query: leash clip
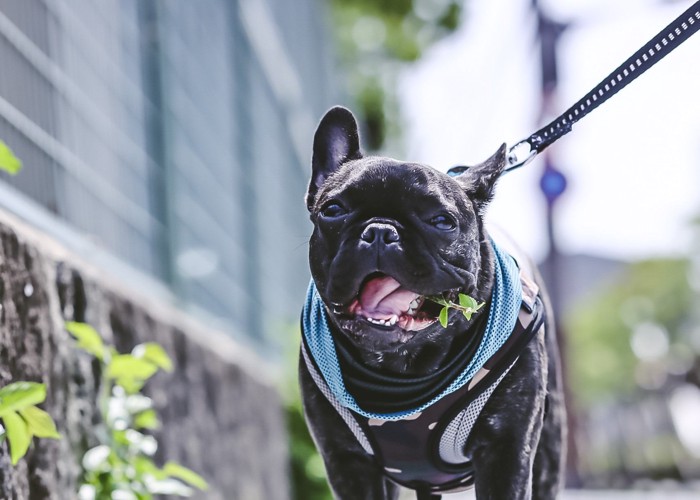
520,154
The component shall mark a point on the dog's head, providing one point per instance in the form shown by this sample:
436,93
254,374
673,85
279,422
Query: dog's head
388,233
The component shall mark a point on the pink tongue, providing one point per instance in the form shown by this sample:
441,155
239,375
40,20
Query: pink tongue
385,296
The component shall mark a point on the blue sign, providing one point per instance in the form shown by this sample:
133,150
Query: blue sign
552,183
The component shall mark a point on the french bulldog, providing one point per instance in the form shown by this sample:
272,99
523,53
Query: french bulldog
387,235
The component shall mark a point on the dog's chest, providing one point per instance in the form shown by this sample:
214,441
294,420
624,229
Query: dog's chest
426,449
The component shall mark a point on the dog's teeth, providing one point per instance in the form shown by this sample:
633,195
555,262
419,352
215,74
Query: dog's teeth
384,322
414,306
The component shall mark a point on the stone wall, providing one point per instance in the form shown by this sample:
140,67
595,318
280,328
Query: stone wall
222,416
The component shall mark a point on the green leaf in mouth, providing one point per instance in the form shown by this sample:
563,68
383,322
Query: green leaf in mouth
467,306
443,316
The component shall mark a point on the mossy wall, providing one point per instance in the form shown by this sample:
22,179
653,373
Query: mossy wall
221,415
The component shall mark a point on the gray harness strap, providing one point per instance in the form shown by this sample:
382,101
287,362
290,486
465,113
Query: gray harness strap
344,413
454,438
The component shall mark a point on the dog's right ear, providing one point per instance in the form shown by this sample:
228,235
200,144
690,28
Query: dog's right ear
336,141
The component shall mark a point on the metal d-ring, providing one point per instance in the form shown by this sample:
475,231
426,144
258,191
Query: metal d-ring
520,154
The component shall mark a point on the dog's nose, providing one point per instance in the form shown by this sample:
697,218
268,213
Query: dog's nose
379,232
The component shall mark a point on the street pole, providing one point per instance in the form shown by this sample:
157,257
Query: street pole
553,184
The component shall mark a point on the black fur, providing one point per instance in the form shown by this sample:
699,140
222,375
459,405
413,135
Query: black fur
516,444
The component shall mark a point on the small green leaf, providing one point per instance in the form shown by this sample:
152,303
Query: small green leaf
175,470
130,385
438,300
154,353
467,314
18,435
39,422
8,161
147,420
119,437
88,338
145,465
19,395
443,316
127,366
467,302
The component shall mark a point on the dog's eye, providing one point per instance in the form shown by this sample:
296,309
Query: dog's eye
443,222
332,210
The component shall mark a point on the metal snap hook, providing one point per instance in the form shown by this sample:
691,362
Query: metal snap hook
520,154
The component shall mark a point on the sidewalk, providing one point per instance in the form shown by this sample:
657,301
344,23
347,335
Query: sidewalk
628,495
591,495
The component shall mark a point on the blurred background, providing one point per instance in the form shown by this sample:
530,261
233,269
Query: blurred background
168,142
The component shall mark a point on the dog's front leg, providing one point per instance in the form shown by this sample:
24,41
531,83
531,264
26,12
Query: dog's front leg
507,433
352,473
504,471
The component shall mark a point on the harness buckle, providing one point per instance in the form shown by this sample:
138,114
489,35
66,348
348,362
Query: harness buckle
520,154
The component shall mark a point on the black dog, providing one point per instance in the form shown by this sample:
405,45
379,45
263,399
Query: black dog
393,242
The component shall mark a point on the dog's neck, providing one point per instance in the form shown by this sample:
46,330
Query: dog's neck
431,353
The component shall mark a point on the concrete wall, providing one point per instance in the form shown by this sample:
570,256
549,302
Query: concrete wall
222,416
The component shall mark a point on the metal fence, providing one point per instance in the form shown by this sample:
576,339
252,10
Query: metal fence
176,135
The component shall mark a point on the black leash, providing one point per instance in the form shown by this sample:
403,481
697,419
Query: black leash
652,52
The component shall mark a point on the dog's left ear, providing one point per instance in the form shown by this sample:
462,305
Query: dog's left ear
479,181
336,141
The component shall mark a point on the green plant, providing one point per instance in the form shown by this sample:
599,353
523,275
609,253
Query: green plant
602,365
375,40
21,419
121,465
307,472
466,305
8,161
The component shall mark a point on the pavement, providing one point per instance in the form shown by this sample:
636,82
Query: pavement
593,495
629,495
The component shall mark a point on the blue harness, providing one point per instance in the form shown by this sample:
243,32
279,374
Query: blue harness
423,448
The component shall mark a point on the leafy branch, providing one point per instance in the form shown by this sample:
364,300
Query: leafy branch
375,40
21,418
466,305
121,465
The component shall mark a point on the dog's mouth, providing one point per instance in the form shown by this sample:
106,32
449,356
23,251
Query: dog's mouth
383,302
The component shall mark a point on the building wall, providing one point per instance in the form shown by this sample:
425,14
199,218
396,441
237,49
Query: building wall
221,413
175,135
